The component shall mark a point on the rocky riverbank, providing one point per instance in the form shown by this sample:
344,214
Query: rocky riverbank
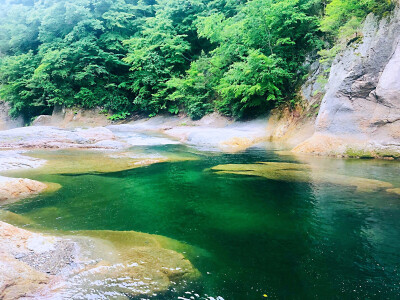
14,189
42,266
213,132
66,265
57,138
24,266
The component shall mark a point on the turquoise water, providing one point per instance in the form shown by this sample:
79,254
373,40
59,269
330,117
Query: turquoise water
255,236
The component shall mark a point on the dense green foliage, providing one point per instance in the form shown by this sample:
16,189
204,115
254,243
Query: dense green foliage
146,56
342,24
344,15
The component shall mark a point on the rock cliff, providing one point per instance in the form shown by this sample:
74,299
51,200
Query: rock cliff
360,111
6,122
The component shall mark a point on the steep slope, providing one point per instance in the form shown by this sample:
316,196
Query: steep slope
360,112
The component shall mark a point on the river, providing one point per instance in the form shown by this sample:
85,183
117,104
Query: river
252,237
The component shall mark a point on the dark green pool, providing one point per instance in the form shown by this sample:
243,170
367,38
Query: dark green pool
286,240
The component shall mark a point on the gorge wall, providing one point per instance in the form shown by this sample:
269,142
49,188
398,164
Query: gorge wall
360,111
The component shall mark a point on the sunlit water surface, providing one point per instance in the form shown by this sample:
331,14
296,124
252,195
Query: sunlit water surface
255,237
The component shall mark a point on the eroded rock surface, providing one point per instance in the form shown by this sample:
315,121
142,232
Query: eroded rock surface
213,132
52,137
14,189
232,138
14,160
360,111
91,264
18,279
291,127
73,117
6,122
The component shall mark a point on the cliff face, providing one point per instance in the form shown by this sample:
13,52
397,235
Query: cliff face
6,122
360,112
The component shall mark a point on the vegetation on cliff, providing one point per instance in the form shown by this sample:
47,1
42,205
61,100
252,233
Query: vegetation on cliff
237,57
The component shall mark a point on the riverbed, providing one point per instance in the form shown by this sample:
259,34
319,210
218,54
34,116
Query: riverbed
309,231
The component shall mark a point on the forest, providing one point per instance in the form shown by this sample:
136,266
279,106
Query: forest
240,58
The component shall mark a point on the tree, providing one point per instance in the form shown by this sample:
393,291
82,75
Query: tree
239,57
257,61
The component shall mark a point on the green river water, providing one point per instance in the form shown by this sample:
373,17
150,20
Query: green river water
255,237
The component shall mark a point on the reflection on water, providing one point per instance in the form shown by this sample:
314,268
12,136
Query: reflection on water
318,237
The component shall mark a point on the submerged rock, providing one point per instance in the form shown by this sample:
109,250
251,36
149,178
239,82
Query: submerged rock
15,219
95,263
88,264
394,191
301,173
78,161
127,264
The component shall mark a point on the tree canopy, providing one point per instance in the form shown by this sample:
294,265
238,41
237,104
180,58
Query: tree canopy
240,57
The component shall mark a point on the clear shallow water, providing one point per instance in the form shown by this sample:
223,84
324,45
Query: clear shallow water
255,236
